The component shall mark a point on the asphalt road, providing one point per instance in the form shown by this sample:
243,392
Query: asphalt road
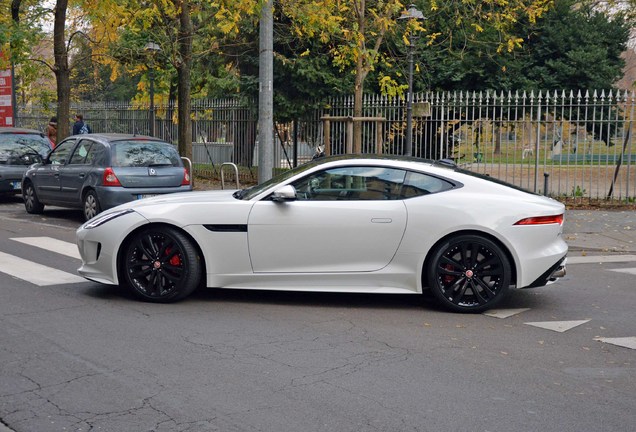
79,356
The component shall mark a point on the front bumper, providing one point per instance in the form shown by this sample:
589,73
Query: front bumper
99,247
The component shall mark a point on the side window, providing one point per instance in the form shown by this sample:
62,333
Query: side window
61,153
80,153
351,183
95,154
417,184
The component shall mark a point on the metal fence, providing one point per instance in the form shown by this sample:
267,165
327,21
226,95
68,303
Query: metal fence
575,146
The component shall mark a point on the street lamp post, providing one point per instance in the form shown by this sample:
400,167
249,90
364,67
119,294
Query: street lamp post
152,48
410,14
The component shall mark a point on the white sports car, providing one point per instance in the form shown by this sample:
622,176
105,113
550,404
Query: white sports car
338,224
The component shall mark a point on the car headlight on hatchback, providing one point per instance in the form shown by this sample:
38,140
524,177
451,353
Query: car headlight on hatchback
106,217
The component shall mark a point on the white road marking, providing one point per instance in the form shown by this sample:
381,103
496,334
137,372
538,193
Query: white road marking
504,313
599,259
625,270
626,342
557,326
51,244
35,273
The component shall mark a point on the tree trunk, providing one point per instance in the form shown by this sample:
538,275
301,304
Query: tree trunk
361,74
183,72
497,150
61,69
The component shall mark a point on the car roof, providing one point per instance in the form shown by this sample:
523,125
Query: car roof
403,161
15,130
119,137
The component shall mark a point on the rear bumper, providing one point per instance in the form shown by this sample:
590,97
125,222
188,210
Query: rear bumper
10,185
110,197
557,271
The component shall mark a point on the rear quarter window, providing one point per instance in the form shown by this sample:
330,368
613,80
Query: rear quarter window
139,153
417,184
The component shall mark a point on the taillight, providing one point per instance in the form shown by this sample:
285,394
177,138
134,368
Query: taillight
542,220
186,178
110,179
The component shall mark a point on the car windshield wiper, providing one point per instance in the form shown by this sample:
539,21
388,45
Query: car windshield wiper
239,194
28,147
160,164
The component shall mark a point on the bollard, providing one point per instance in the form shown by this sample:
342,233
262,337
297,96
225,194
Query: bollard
545,184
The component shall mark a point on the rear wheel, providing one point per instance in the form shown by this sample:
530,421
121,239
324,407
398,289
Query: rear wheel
31,202
161,265
469,273
91,205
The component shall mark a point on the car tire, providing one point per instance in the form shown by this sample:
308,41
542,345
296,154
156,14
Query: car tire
469,273
90,205
161,265
31,202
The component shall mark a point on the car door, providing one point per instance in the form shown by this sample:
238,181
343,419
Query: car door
344,220
47,177
75,173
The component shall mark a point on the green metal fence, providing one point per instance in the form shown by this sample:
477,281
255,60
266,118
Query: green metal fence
576,146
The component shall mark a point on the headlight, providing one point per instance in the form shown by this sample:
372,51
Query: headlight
102,219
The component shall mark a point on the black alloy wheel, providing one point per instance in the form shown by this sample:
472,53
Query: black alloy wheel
31,202
161,265
469,273
91,205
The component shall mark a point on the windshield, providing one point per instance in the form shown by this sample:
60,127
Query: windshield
13,147
23,143
249,193
144,153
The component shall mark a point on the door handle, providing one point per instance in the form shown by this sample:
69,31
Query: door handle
82,175
381,220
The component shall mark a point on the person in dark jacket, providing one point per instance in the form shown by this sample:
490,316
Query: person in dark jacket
79,127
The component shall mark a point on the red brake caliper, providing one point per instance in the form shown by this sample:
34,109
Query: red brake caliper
448,278
175,260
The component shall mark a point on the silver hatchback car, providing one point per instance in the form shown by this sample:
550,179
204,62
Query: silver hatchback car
95,172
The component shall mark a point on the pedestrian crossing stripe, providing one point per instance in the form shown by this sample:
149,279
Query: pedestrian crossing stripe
557,326
35,273
51,244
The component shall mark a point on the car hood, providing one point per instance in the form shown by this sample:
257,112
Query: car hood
184,198
192,208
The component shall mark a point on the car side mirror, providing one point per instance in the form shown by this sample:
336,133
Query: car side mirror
285,193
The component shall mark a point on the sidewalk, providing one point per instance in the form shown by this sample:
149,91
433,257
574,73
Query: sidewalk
600,231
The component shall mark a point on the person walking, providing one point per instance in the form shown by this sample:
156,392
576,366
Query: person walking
51,131
79,127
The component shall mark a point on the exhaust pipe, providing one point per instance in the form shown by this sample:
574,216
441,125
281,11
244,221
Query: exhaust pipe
558,273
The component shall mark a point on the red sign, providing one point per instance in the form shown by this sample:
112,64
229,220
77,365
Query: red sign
6,107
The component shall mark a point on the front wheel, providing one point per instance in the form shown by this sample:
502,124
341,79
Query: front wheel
31,202
161,265
469,273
